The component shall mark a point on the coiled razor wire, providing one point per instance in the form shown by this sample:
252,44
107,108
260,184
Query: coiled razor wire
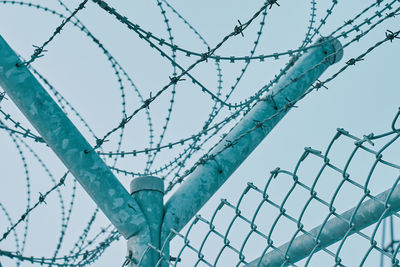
87,250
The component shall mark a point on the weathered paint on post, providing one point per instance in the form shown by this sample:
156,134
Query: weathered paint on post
368,213
198,188
68,144
148,192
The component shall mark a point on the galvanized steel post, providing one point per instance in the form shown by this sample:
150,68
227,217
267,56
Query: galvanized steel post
69,145
227,156
148,191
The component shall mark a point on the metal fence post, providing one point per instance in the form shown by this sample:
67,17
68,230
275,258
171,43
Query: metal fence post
148,191
68,144
227,156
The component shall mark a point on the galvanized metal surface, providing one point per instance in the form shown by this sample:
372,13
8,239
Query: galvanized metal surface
208,178
148,192
69,145
147,183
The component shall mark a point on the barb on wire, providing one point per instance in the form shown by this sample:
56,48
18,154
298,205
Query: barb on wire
353,61
41,200
174,170
204,57
319,85
291,103
3,96
272,3
40,49
239,29
24,132
392,35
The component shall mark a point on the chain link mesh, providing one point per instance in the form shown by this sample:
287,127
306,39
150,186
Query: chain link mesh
268,219
314,215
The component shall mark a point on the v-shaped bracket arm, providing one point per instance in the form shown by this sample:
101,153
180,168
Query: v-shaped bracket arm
68,143
248,133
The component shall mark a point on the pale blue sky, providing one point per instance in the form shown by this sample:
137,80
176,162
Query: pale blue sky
362,99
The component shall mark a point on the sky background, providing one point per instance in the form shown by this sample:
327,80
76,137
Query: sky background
363,99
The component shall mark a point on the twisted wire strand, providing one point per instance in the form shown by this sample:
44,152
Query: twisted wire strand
81,254
291,103
134,27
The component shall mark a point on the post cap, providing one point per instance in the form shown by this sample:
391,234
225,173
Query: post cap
147,183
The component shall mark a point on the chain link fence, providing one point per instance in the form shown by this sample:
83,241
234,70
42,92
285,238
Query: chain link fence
336,207
330,210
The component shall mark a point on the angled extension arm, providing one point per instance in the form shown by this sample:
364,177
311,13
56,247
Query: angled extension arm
69,144
227,156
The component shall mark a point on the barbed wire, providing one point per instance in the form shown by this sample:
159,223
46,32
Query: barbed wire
81,254
306,41
28,192
291,103
219,74
114,63
25,216
40,49
233,87
42,199
334,3
378,14
175,79
24,131
86,258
